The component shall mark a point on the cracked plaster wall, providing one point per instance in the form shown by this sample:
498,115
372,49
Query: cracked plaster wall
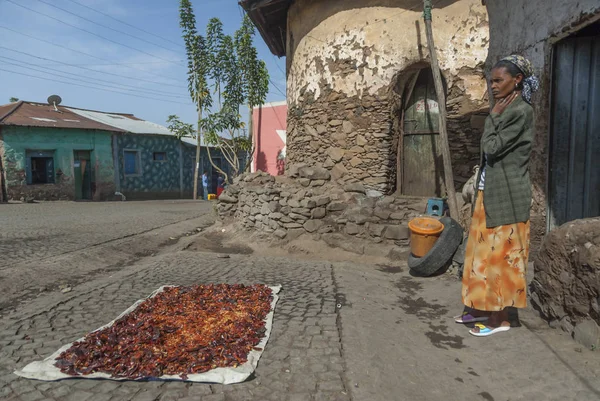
345,59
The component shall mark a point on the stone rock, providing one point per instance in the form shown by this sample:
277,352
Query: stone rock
347,127
286,210
274,206
352,229
310,130
356,150
294,203
398,216
323,200
355,187
566,280
328,163
338,171
355,161
276,216
336,154
314,173
335,123
319,213
336,206
265,198
326,229
295,233
377,230
293,170
382,213
321,129
265,209
371,193
297,216
308,203
292,225
233,189
317,183
587,333
226,198
359,219
397,232
280,233
301,210
313,225
305,182
361,141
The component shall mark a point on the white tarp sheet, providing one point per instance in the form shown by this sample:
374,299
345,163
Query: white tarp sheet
45,370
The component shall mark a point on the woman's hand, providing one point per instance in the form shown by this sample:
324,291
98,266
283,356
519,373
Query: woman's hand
502,104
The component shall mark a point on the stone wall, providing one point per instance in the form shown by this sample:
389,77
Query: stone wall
566,287
348,66
307,202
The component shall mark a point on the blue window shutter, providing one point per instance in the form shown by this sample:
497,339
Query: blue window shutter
130,159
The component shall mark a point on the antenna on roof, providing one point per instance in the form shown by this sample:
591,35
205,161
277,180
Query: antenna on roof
54,100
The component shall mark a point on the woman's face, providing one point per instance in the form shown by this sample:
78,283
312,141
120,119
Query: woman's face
503,84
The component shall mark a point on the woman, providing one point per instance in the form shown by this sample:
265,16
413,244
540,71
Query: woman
494,276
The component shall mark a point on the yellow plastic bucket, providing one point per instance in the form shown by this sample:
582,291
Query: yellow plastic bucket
424,232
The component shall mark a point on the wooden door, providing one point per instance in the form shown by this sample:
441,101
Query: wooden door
83,174
574,181
422,165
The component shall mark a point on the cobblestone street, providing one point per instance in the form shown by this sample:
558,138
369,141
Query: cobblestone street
341,331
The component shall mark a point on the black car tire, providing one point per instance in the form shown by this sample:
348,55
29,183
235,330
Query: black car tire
442,251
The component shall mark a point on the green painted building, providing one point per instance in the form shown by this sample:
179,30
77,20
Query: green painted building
51,153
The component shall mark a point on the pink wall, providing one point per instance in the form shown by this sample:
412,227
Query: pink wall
269,126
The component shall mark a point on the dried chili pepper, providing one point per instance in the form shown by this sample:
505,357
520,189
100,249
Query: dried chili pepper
180,331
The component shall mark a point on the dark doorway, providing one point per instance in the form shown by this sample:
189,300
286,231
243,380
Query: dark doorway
422,170
42,170
574,176
82,169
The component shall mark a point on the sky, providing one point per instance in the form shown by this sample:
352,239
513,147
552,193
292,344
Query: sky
127,59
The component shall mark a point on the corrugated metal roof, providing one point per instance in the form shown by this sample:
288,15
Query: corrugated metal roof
29,114
124,122
131,124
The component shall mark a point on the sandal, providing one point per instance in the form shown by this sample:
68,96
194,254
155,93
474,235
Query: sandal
485,331
467,318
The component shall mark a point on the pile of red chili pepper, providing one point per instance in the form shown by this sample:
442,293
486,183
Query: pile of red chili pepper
180,331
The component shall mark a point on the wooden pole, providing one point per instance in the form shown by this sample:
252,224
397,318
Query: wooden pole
439,88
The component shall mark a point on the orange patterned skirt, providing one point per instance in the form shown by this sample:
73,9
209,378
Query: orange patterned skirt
494,275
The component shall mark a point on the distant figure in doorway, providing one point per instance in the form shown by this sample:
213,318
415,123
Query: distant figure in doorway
220,185
205,185
494,275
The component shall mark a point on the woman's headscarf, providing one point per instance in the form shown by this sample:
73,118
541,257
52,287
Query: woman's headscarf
530,82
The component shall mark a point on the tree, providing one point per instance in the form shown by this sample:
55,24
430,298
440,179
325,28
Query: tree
227,68
198,68
179,128
13,99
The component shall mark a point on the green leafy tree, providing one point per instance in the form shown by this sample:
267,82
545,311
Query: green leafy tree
179,128
225,69
13,99
198,70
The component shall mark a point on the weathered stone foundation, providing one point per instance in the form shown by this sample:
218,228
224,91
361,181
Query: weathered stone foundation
307,202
